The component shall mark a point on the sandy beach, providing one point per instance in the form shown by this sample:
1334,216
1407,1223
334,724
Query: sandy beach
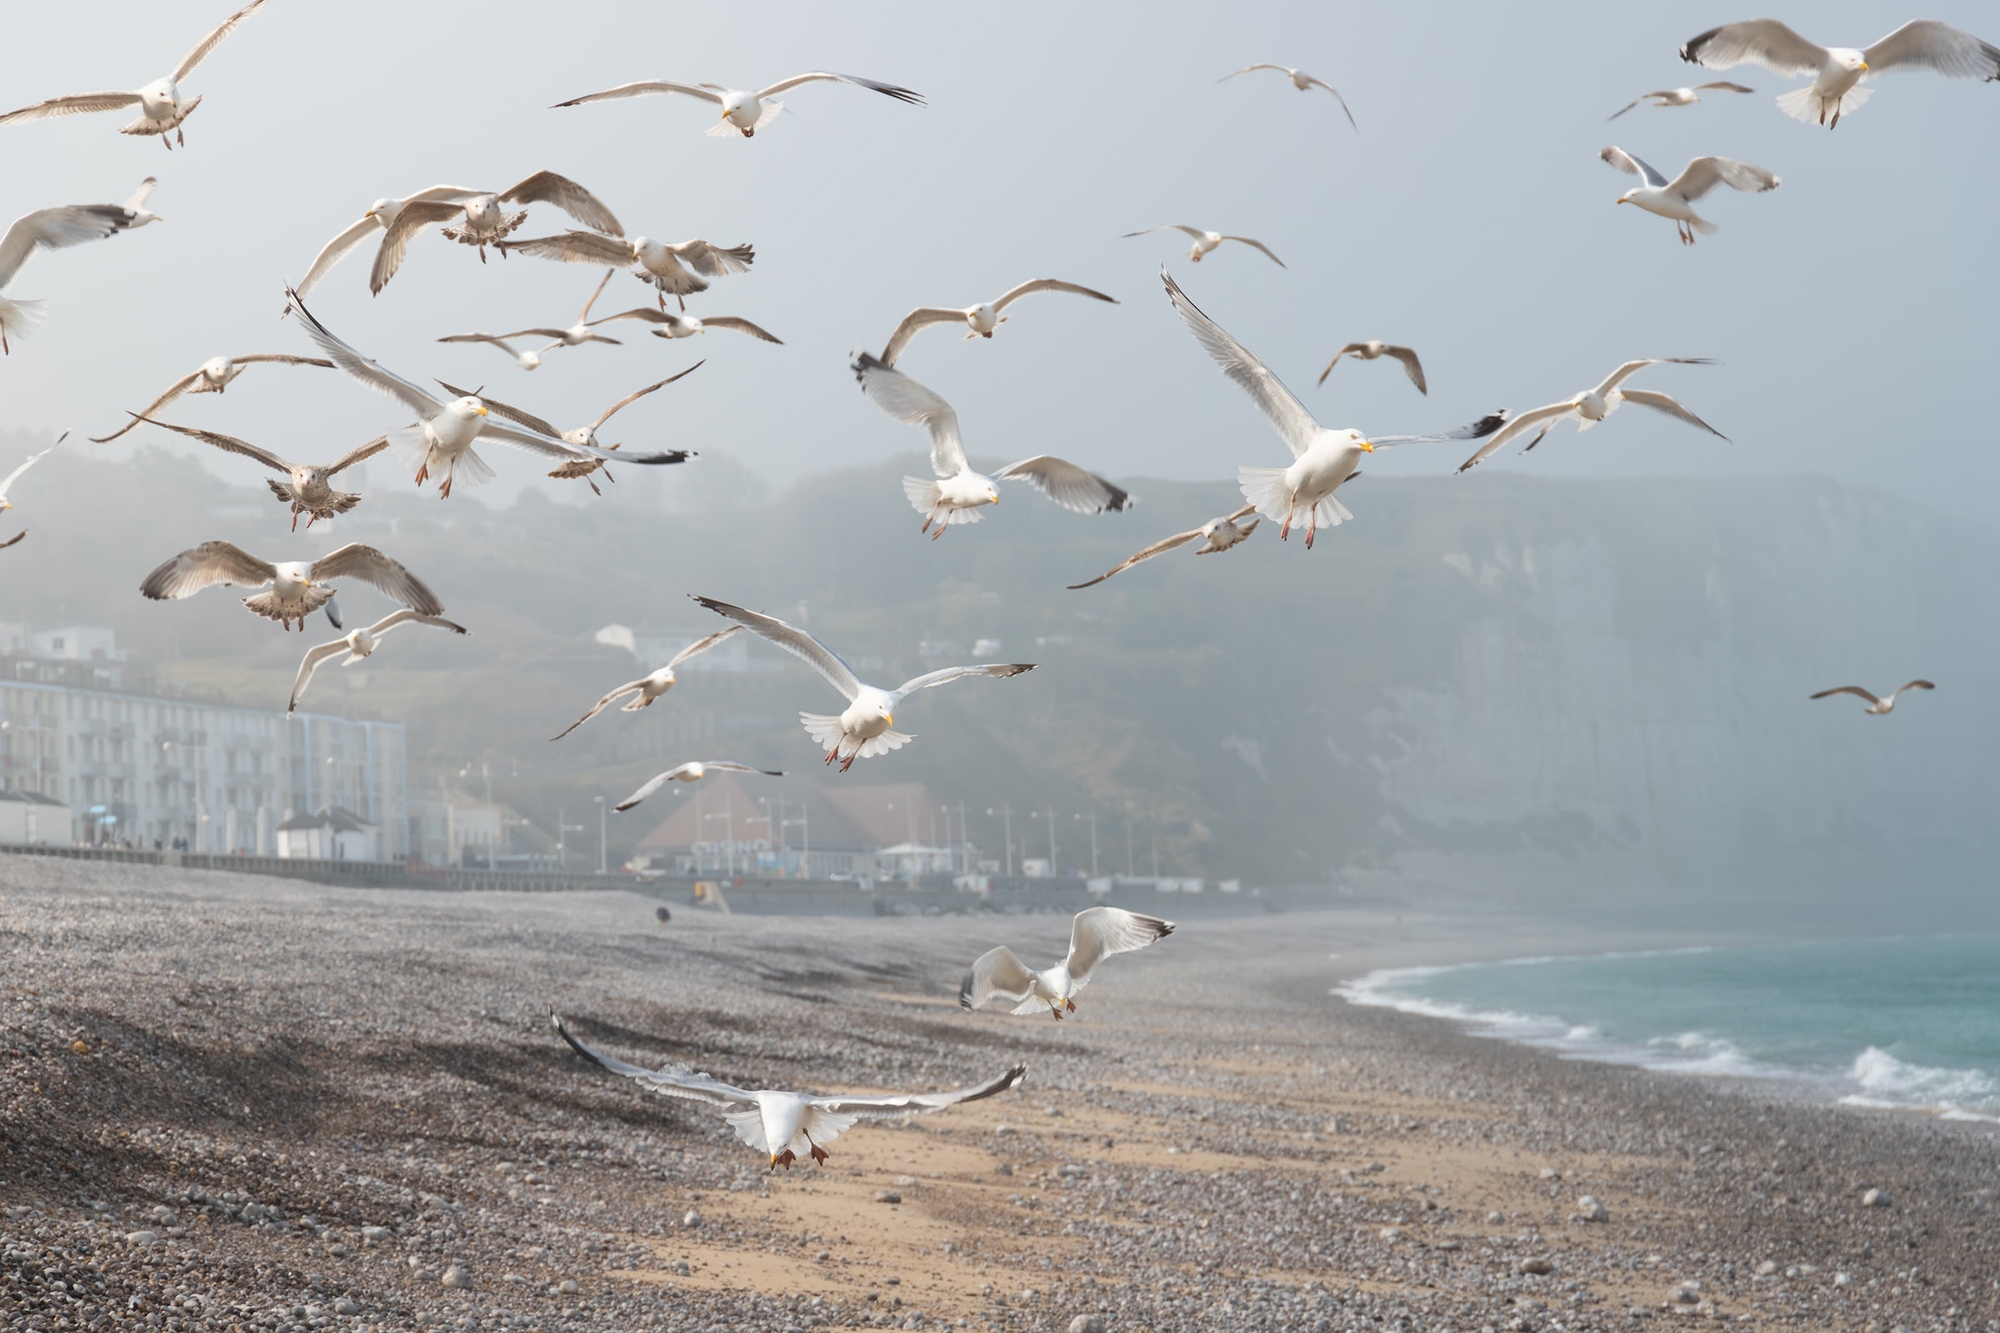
234,1103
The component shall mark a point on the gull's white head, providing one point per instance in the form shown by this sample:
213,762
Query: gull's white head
529,360
384,211
467,407
992,495
695,772
647,250
1356,441
741,110
216,369
1854,62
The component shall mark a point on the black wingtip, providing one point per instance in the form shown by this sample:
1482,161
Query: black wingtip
1015,1075
965,992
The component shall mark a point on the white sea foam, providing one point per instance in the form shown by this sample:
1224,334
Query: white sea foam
1956,1094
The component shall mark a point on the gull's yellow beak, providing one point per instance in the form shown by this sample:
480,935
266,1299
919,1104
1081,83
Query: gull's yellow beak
774,1161
483,412
1864,64
6,504
1367,448
890,716
1621,199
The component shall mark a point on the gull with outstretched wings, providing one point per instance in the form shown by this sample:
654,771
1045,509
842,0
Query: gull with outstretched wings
667,324
1594,404
585,436
1215,536
693,771
309,489
1680,96
480,218
1838,71
212,376
1374,348
359,643
650,687
1095,934
679,268
980,319
7,482
582,331
1301,81
744,112
58,229
293,589
1675,198
1878,704
1205,241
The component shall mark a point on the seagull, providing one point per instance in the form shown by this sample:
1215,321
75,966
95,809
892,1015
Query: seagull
1204,241
1301,81
7,482
658,262
58,229
360,643
213,376
1838,71
381,216
1369,351
1216,535
575,335
486,222
863,730
310,490
672,325
1095,934
1680,96
693,771
1323,460
585,437
742,111
161,109
1675,199
297,587
1879,705
958,492
525,360
981,319
1593,405
648,688
786,1125
444,432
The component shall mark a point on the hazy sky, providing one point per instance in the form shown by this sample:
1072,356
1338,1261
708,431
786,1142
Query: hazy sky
1469,217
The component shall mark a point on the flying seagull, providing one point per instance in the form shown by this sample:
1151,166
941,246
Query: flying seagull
1323,460
1301,81
525,360
58,229
664,265
650,687
670,325
1205,241
585,437
1095,934
786,1125
691,772
746,112
958,492
1593,405
310,488
862,731
981,319
1218,534
1680,96
360,643
577,334
1879,705
161,109
1838,71
297,588
486,220
7,482
1369,351
1675,198
214,375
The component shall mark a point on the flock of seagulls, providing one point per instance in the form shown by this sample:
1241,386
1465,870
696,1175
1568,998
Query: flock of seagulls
439,437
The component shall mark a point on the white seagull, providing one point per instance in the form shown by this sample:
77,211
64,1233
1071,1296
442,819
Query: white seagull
1675,198
744,112
1096,934
1838,71
1204,241
1375,347
671,325
981,319
297,588
693,771
577,334
214,375
958,492
1216,535
1323,460
1879,705
665,265
525,360
862,731
359,643
585,437
1680,96
650,687
485,219
161,109
7,482
1593,405
310,488
1301,81
58,229
786,1125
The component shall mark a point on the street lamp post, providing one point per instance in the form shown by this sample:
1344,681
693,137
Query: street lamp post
1007,815
1092,817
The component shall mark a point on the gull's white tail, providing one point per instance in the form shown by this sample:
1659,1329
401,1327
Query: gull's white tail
1265,488
1806,104
19,318
925,497
826,733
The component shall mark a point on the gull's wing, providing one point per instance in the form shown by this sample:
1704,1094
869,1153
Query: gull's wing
577,247
875,1107
1348,350
583,315
819,76
1164,226
711,260
794,641
1659,402
1628,106
652,784
545,187
1067,484
1411,366
700,646
1632,166
174,390
1854,690
1515,427
359,453
137,199
1318,82
13,539
213,40
1477,430
637,394
389,576
73,105
405,616
336,250
517,333
282,358
1765,42
226,443
921,318
1160,547
731,766
908,401
204,566
644,312
396,240
627,688
362,368
1099,932
57,229
641,89
671,1080
309,664
1253,241
995,972
1249,68
741,325
998,670
1722,85
542,438
497,339
1295,425
1914,685
1928,44
1631,368
1034,285
514,414
32,459
1703,174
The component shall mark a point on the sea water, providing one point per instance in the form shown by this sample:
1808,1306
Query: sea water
1911,1022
